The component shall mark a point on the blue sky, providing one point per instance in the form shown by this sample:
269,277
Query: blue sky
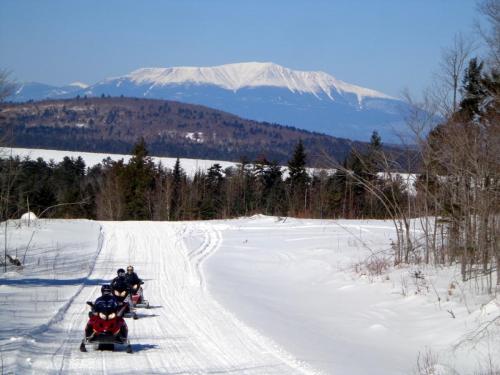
387,45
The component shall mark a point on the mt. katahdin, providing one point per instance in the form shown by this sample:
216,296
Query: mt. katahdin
314,101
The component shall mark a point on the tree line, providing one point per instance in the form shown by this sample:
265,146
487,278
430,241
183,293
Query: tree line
143,190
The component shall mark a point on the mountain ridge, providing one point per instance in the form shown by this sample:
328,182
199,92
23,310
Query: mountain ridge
249,74
314,101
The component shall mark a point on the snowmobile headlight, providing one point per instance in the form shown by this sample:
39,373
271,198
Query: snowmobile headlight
103,316
117,293
136,286
123,294
111,316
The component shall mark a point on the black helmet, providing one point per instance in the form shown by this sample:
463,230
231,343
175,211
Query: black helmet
120,272
130,269
106,289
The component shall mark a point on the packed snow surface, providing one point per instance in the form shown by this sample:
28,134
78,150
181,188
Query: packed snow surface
259,295
250,74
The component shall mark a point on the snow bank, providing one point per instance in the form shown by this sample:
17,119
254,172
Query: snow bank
305,284
56,255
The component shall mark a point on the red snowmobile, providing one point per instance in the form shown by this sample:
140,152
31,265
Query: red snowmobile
106,327
137,296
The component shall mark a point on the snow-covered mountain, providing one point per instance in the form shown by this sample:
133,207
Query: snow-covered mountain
245,75
314,101
38,91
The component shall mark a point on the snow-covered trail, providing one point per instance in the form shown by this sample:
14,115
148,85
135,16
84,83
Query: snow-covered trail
186,331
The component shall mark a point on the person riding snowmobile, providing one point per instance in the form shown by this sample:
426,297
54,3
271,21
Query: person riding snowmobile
106,296
120,278
132,278
106,301
122,292
136,292
106,325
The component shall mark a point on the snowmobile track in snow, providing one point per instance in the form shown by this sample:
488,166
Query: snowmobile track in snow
187,333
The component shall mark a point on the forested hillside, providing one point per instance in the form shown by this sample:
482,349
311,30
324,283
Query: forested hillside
169,128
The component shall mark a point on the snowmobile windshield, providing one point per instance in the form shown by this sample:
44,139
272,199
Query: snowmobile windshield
106,307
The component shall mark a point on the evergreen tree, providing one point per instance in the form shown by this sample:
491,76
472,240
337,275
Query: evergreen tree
373,158
357,191
35,186
175,201
138,182
67,180
473,91
213,197
275,201
246,188
297,165
270,187
298,179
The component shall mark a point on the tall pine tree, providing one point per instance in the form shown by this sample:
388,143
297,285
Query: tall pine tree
473,91
178,176
298,180
139,184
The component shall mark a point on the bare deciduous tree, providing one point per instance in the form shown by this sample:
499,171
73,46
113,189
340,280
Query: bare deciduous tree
7,88
451,68
7,85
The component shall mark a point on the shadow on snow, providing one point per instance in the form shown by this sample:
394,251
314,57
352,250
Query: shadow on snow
53,282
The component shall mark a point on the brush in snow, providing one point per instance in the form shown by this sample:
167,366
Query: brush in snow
106,329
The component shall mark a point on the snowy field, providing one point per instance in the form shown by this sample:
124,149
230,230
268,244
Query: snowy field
259,295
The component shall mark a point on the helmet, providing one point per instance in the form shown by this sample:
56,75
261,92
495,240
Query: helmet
106,290
130,269
120,272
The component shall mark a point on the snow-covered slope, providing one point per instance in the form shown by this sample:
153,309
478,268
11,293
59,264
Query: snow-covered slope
252,74
305,283
184,332
58,259
78,84
252,296
38,91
